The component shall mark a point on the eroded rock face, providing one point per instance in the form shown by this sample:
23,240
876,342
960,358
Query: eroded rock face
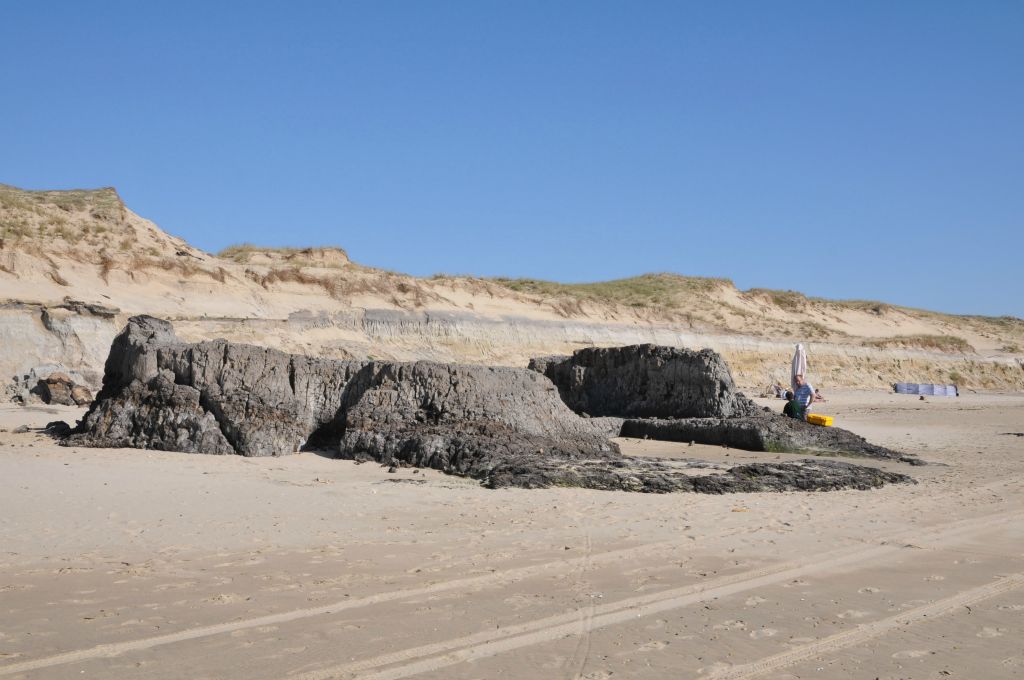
56,389
60,388
226,398
503,426
156,414
646,381
684,395
464,419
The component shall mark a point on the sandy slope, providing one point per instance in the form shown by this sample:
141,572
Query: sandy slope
88,246
141,564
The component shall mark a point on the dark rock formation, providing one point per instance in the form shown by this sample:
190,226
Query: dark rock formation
468,420
58,429
646,381
503,426
765,431
210,397
665,476
684,395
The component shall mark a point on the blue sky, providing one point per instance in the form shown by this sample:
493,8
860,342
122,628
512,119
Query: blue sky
867,150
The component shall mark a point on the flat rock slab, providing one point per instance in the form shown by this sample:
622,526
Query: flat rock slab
762,432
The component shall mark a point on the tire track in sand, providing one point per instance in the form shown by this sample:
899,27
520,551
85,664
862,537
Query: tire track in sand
869,631
753,577
488,579
491,643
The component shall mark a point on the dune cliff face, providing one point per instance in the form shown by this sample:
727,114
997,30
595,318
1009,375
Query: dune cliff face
74,266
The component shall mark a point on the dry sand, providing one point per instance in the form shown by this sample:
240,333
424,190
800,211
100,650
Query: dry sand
142,564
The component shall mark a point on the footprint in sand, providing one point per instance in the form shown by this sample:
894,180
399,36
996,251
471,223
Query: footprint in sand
935,577
800,640
730,625
656,625
518,602
763,633
754,601
652,646
911,654
853,614
1011,607
990,632
868,589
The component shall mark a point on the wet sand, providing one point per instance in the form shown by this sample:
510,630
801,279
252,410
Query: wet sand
143,564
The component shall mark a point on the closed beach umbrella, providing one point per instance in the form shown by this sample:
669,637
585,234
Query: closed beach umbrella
799,365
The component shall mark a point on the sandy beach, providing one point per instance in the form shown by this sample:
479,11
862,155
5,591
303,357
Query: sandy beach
144,564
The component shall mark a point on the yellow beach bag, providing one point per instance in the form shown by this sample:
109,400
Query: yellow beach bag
815,419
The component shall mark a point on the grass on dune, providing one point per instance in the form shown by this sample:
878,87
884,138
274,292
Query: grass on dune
647,290
938,343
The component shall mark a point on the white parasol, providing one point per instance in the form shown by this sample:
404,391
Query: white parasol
799,365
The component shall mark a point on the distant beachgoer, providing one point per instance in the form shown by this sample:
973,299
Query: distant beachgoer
803,396
818,396
791,408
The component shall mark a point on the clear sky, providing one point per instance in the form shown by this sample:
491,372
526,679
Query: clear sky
867,150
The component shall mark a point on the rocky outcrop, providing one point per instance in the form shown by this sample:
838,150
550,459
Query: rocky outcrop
225,397
469,420
56,389
762,432
50,384
210,397
503,426
688,396
642,381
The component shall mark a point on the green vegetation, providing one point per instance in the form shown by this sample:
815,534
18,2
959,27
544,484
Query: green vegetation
102,204
648,290
788,300
243,252
813,329
939,343
68,216
871,306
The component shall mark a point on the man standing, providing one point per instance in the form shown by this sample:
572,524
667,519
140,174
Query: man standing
803,396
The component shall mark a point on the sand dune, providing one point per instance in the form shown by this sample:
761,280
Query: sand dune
59,249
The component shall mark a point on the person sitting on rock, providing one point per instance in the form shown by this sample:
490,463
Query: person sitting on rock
803,396
791,408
